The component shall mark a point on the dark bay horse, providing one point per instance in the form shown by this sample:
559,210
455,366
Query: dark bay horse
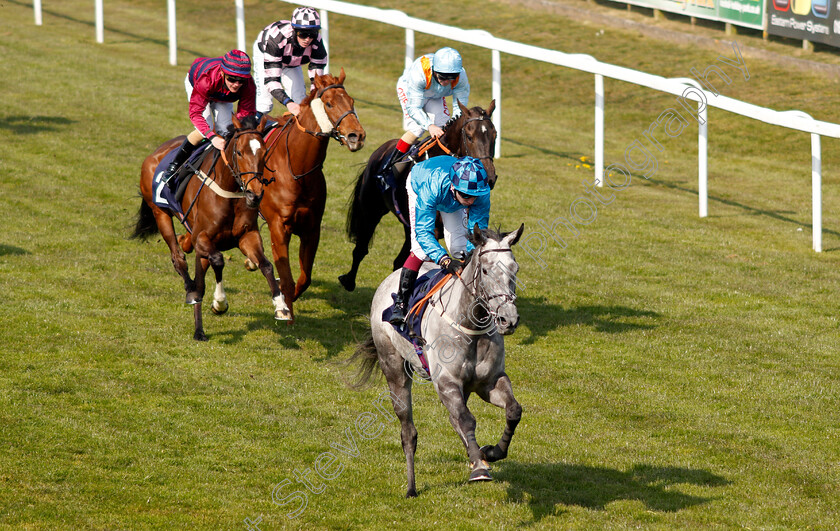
294,201
463,329
472,133
222,216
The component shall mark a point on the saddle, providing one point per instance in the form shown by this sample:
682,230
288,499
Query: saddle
164,197
410,331
404,162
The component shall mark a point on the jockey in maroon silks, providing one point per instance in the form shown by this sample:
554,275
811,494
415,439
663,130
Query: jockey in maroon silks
213,85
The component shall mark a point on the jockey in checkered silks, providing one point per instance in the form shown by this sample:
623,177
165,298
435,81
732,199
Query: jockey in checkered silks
458,190
422,91
279,53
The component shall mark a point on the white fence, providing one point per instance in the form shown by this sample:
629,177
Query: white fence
680,87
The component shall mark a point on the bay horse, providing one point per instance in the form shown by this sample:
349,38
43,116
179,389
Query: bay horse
471,134
463,329
294,200
217,223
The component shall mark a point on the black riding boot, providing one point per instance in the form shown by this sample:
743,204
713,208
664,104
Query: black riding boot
386,167
407,278
181,157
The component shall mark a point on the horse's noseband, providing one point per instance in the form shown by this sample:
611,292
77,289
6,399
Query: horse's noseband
334,133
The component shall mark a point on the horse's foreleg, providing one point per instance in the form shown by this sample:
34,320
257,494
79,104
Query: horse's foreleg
205,255
463,421
308,249
251,246
280,235
220,304
501,395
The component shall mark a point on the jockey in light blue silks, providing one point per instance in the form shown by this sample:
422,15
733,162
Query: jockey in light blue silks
422,90
458,189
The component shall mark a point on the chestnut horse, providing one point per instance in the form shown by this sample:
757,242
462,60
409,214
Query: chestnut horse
472,133
294,201
221,211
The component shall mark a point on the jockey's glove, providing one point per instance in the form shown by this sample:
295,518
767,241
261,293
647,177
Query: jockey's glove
452,265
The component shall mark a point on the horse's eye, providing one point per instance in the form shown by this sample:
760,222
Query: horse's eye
484,270
328,104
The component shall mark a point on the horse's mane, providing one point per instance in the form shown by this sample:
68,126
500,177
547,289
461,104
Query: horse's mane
331,80
248,123
461,117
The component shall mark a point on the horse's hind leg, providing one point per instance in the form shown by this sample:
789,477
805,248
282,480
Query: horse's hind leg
463,421
179,261
399,383
372,214
502,396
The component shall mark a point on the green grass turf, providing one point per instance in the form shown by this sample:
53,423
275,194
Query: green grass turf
675,372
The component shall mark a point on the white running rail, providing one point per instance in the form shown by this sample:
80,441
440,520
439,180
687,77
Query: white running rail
680,87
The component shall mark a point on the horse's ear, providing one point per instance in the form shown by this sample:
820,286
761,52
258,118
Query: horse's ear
236,123
491,107
464,110
478,237
341,76
514,236
263,120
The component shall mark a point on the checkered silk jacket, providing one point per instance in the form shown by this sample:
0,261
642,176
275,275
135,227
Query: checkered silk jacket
281,50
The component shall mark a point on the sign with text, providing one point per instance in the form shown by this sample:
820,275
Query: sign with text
746,13
810,20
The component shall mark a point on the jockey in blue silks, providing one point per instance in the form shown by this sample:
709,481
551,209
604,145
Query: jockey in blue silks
422,90
458,190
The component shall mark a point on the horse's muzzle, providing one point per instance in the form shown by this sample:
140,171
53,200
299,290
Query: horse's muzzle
252,199
355,141
506,324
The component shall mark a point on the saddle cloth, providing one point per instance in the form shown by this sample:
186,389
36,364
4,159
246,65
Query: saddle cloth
411,330
163,196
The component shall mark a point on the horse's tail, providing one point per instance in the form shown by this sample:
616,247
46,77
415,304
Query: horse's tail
146,225
355,211
368,361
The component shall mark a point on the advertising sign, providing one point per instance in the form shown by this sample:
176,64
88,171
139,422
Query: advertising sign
746,13
811,20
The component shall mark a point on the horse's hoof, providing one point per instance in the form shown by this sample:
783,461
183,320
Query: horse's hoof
480,474
199,336
412,493
492,453
348,284
250,266
219,307
193,298
283,315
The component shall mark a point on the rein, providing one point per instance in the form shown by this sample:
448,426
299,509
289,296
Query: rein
237,175
507,298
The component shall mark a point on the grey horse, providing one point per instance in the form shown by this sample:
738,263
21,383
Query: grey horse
463,330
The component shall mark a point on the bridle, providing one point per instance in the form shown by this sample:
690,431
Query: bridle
507,297
481,118
233,166
332,133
